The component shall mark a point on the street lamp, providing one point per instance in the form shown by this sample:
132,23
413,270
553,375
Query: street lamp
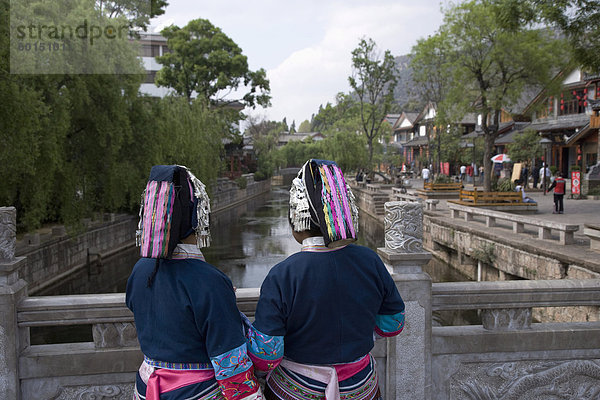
546,143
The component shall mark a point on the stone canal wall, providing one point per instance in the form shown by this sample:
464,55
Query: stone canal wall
487,256
229,193
53,256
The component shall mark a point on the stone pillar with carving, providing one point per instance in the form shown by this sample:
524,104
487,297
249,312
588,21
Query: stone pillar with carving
12,290
409,355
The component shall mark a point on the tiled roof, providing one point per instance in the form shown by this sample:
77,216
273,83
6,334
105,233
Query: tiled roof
418,141
562,123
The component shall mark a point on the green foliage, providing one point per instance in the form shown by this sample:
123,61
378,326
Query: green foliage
489,65
72,37
207,62
448,146
553,169
265,136
77,144
345,107
241,182
304,127
505,185
577,20
441,178
373,80
140,12
485,253
575,167
294,154
344,145
526,146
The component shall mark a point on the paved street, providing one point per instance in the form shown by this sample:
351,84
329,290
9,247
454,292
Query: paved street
576,211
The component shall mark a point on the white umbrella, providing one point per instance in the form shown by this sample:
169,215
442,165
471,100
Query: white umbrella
500,158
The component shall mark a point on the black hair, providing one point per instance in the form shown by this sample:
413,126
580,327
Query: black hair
153,274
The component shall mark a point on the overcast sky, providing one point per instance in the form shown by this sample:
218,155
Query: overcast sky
305,46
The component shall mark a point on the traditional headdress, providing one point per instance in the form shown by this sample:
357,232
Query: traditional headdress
320,197
174,205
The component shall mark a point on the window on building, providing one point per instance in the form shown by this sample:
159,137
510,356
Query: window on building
150,77
150,50
573,101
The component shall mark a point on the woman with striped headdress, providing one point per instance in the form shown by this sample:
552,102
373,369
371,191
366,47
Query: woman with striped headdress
187,321
321,309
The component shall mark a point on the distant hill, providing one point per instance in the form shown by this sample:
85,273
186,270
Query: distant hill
404,93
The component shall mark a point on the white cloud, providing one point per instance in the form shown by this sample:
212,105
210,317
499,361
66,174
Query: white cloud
306,45
313,76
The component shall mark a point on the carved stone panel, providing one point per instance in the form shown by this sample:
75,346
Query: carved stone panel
404,226
578,379
117,334
105,392
8,233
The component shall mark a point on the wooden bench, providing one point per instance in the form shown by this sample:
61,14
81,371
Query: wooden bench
479,196
445,187
439,190
430,204
500,201
592,231
565,231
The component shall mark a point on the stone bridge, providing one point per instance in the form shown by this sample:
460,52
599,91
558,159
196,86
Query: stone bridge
505,356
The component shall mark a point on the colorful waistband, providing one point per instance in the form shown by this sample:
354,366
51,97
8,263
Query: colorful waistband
287,384
177,366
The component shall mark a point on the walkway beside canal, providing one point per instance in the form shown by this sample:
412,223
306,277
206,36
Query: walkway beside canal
576,211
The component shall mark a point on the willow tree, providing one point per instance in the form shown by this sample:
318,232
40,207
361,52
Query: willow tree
373,81
491,66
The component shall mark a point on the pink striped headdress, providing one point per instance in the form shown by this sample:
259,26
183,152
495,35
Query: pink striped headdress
320,197
174,205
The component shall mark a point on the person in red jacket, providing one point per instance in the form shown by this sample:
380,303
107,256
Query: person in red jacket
559,186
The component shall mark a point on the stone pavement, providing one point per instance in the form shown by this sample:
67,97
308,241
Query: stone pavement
576,211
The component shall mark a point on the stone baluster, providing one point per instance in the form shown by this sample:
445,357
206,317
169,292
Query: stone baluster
12,290
506,319
409,355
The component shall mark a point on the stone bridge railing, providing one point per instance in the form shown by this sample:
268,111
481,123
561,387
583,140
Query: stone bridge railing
506,356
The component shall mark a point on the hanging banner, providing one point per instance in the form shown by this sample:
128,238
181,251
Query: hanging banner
575,182
445,168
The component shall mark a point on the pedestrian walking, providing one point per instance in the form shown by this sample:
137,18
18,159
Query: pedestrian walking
559,186
425,174
545,176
